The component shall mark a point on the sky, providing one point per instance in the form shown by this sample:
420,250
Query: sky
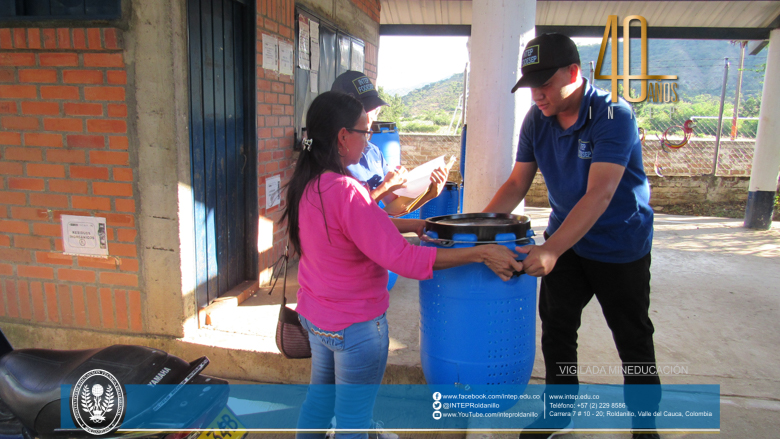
406,63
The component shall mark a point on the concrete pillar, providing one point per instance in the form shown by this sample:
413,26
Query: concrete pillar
499,32
766,159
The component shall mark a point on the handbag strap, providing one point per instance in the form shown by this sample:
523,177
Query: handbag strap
277,271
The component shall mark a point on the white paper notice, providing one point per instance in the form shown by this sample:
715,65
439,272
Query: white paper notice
84,235
418,179
358,57
273,191
285,58
303,42
344,45
270,53
314,79
314,30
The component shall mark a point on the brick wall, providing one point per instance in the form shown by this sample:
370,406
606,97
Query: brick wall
275,110
417,149
670,190
370,7
371,61
64,150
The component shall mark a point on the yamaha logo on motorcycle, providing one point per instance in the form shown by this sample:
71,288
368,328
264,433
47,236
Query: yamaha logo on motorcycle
97,402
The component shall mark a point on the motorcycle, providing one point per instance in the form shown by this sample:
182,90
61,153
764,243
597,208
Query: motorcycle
31,396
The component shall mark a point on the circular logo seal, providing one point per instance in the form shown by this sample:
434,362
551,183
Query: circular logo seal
97,402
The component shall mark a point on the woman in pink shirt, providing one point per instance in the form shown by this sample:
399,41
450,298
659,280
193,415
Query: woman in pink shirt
346,244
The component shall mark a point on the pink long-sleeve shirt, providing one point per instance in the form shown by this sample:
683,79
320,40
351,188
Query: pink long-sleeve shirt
343,270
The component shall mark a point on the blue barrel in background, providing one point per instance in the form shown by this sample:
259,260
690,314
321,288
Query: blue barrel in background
386,138
462,167
415,214
463,153
391,279
476,329
445,204
460,206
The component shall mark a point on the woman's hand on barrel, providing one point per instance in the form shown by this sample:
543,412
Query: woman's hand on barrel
420,230
501,260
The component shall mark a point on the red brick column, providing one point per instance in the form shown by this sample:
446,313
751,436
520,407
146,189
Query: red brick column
64,150
275,110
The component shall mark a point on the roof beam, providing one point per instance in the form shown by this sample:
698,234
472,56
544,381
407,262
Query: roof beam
674,33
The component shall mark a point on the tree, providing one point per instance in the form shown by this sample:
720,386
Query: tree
393,112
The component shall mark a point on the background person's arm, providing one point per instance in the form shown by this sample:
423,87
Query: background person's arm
603,180
438,181
512,192
395,179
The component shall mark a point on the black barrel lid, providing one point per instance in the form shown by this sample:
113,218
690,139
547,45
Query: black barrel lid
485,225
383,127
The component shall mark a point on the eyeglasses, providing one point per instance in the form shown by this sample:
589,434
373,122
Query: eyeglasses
365,133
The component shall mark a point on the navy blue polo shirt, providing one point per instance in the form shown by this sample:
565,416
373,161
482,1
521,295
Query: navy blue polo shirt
372,167
624,232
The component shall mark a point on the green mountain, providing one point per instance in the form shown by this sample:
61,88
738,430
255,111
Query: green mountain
436,97
698,65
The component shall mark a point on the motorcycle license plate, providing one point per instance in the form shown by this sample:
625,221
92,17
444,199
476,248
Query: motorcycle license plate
224,426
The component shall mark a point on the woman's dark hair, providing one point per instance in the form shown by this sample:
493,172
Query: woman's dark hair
327,115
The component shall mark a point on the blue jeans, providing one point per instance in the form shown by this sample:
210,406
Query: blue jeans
354,359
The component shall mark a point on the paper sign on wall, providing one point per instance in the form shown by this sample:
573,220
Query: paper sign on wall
270,53
358,57
84,235
273,191
344,46
303,42
314,79
285,58
314,31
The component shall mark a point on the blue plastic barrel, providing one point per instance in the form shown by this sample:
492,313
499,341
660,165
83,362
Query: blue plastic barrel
476,329
460,207
445,204
391,279
462,166
463,153
415,214
386,138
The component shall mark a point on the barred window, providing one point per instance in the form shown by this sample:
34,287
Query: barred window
339,52
60,9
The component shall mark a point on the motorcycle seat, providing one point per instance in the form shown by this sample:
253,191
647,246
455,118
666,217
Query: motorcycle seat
30,379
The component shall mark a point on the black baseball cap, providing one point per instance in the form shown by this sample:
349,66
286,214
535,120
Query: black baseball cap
360,86
543,56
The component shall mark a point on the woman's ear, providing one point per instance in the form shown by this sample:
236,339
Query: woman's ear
342,137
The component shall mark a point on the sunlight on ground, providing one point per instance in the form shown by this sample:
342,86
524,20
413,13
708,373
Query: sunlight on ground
716,235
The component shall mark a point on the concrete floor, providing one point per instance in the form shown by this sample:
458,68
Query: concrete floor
715,304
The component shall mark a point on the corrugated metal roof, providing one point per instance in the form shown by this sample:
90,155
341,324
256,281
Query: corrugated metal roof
688,14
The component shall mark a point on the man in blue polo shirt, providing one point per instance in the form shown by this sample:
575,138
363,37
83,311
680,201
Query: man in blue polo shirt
600,231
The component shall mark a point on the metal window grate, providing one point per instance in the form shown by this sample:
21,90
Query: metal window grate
60,9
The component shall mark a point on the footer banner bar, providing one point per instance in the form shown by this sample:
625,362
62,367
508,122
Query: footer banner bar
109,406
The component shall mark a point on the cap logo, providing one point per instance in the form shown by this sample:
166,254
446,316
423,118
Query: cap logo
363,85
531,55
